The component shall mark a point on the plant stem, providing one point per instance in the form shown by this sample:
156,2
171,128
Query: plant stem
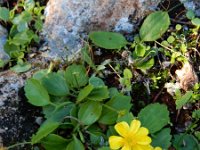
18,144
169,49
114,70
50,67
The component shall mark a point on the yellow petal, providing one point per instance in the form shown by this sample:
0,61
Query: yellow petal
137,147
122,128
143,140
158,148
146,147
126,147
116,142
142,132
135,125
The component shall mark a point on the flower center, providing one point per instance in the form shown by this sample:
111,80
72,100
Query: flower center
130,140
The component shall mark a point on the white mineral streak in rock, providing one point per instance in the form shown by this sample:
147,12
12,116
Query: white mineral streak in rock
69,21
3,36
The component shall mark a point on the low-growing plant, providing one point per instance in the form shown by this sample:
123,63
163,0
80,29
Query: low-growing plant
26,22
82,112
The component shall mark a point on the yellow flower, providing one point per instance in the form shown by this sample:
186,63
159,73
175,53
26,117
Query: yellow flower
157,148
133,137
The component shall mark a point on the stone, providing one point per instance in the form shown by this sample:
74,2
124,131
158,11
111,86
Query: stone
192,5
3,36
187,77
18,117
68,22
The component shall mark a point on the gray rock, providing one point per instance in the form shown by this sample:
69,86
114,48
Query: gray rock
17,116
68,22
3,36
192,5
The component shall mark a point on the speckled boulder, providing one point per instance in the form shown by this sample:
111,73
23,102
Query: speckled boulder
69,21
3,37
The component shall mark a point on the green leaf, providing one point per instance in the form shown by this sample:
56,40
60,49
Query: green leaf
185,142
154,26
197,134
114,107
98,94
89,112
127,118
9,48
76,76
53,122
2,63
140,50
162,139
84,92
29,5
75,145
144,65
96,137
85,56
96,82
44,130
40,74
37,95
21,38
196,114
178,27
38,24
22,26
108,40
113,92
127,73
4,14
55,84
196,21
154,117
184,99
21,67
54,142
190,14
25,16
61,111
170,39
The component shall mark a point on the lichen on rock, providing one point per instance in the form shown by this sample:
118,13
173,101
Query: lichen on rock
3,37
193,5
68,22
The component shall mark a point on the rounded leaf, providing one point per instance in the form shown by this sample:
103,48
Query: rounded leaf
90,112
53,141
108,40
154,117
55,84
154,26
75,145
4,13
196,21
37,95
162,139
185,142
76,76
